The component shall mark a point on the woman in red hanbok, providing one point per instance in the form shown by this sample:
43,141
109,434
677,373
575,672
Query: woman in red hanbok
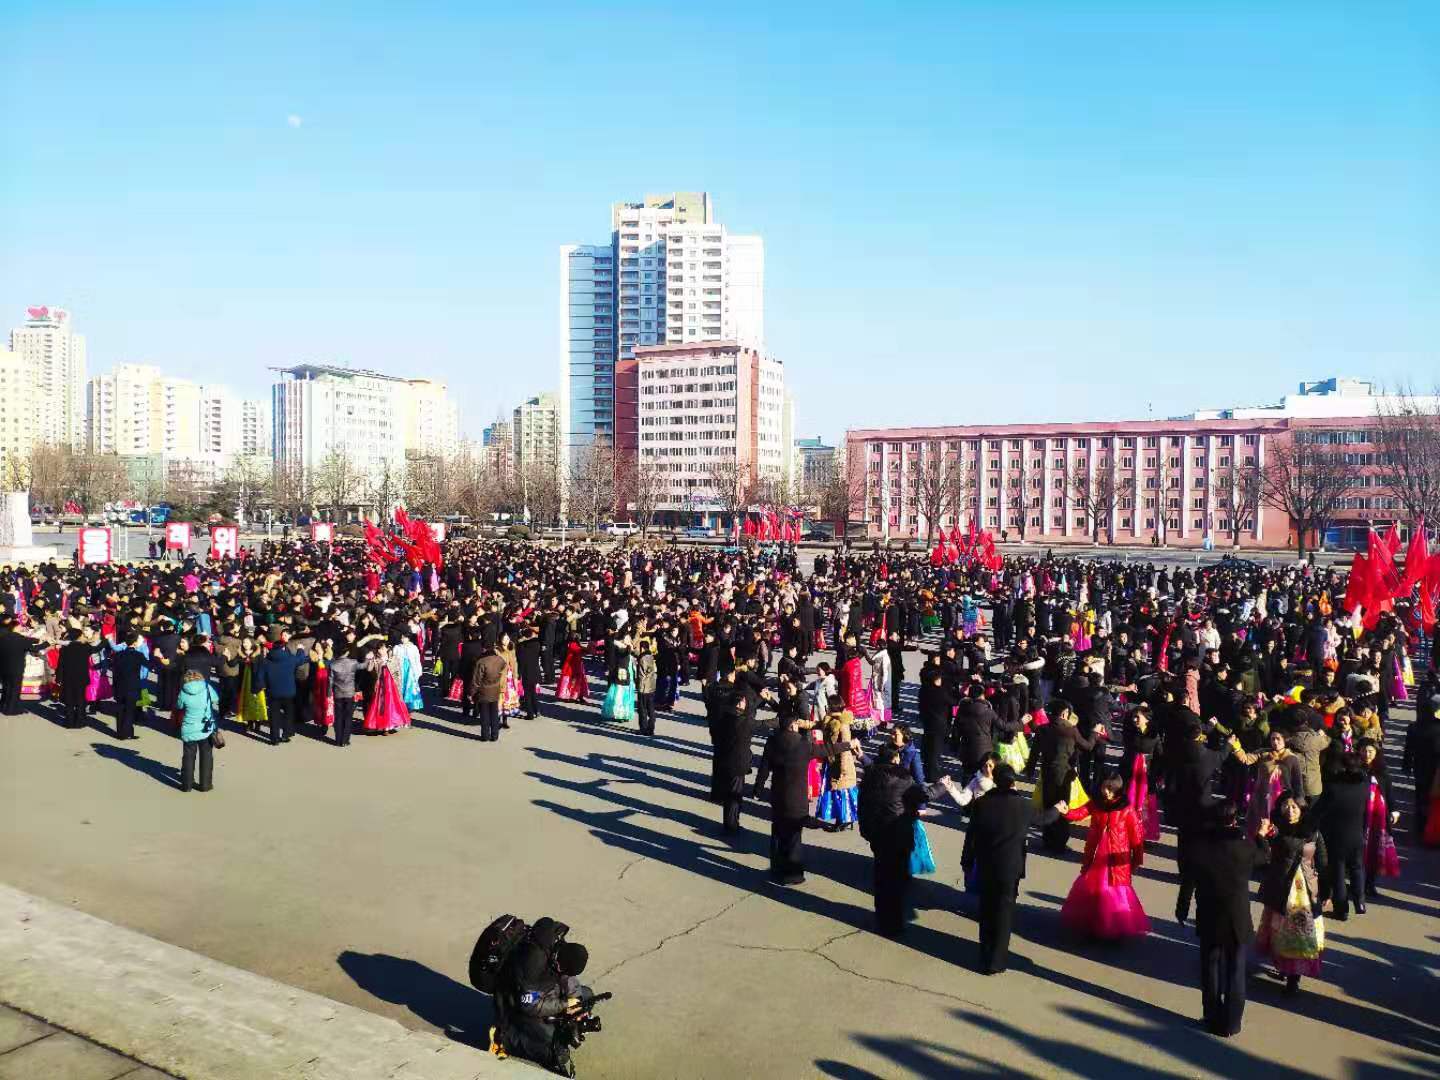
1102,902
572,685
854,687
1381,858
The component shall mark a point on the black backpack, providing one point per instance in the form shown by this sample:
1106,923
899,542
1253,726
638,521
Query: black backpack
493,948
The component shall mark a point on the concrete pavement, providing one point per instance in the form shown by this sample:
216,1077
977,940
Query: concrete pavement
364,875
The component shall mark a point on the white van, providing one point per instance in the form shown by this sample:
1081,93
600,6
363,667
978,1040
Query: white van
621,528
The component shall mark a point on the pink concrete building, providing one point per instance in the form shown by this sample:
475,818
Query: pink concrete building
1177,482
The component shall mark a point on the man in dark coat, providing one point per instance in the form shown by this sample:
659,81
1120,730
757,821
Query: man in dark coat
1192,803
936,703
1221,862
974,729
785,763
730,732
896,648
994,851
528,664
890,802
126,666
1054,752
549,642
13,648
73,671
1340,817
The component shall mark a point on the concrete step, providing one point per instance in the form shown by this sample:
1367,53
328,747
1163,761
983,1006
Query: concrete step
187,1015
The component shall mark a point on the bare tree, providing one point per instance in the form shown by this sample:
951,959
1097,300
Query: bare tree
841,497
729,479
338,481
292,490
386,485
1236,491
964,488
184,488
1408,437
245,487
47,474
541,481
592,482
1097,493
641,487
1021,489
425,484
1306,478
938,484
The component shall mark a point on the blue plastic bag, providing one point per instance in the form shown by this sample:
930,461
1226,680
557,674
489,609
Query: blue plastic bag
921,861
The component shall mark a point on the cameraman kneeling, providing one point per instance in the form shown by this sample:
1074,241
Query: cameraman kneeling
541,993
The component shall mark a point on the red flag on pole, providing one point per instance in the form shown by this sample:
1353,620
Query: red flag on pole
1417,559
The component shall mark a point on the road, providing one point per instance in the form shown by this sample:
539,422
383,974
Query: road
365,874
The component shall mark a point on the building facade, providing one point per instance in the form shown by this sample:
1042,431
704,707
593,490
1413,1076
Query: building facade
692,415
815,463
1133,482
55,356
17,417
536,434
497,449
319,409
670,274
432,420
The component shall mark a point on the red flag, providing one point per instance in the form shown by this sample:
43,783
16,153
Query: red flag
1357,589
749,525
937,557
1417,559
1383,575
1430,594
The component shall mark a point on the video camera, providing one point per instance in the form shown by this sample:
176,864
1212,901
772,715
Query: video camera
571,1029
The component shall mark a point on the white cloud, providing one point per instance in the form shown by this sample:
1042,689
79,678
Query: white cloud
294,121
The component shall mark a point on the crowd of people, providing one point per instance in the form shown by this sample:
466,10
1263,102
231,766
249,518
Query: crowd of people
1237,704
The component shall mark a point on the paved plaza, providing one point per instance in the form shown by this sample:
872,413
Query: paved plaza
365,874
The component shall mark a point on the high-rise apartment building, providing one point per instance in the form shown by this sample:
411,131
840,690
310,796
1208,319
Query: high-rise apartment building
121,411
497,448
536,435
134,410
256,438
56,358
671,274
17,416
432,420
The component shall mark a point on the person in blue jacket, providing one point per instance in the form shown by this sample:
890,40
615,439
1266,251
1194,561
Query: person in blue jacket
197,703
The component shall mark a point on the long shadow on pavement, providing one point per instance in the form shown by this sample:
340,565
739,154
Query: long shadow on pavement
168,775
464,1014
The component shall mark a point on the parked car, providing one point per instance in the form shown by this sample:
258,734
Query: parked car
621,528
815,536
698,532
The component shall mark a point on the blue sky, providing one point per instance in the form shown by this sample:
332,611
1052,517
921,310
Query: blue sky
972,211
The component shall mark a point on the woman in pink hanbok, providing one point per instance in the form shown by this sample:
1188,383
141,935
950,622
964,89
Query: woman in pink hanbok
387,711
1102,902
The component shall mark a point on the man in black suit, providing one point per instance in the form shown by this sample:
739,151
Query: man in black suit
1000,823
549,642
13,648
527,663
126,666
1221,861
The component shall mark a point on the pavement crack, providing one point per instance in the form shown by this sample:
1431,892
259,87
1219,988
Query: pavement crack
672,937
626,868
819,951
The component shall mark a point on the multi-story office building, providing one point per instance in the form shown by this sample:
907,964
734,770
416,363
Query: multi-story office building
1163,480
815,463
56,359
694,413
318,409
670,274
536,435
120,410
